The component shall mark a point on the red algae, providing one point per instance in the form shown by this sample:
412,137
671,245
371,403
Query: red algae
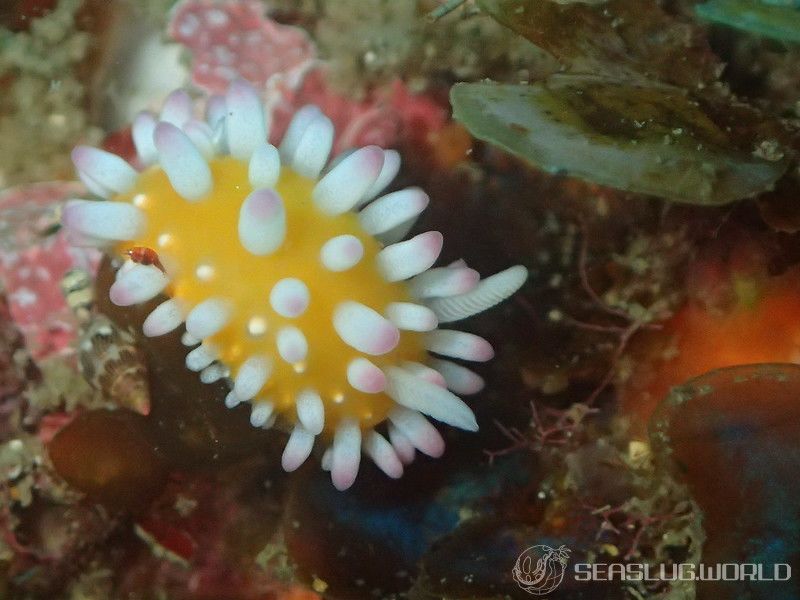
19,14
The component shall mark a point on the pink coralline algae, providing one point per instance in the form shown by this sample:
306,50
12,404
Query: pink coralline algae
387,115
234,39
33,260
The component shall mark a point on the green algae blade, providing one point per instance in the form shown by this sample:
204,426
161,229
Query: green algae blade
649,139
779,22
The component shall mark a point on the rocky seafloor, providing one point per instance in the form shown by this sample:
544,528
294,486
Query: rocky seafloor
638,157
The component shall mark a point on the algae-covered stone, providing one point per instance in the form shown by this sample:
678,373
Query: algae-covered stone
732,434
43,109
627,39
646,138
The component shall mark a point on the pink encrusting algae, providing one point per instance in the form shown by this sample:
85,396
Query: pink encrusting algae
384,117
233,39
230,40
292,276
33,259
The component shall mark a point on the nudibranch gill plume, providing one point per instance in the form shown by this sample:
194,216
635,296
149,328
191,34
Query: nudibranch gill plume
291,278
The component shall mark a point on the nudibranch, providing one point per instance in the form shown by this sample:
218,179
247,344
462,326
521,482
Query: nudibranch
292,277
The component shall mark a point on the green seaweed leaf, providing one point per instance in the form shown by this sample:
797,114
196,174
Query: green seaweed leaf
780,22
645,138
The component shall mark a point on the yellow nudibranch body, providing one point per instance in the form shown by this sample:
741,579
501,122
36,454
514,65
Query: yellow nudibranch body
293,280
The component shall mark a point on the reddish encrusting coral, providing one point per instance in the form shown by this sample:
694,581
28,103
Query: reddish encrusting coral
736,314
